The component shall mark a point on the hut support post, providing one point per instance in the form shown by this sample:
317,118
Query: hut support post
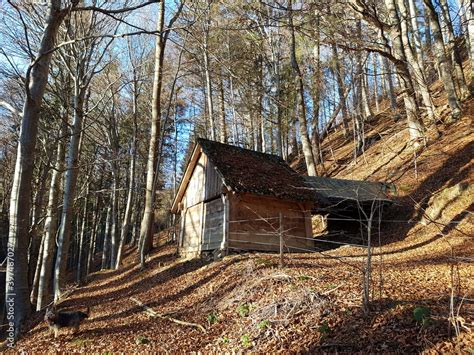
225,226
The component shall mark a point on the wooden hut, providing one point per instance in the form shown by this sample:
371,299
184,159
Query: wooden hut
235,198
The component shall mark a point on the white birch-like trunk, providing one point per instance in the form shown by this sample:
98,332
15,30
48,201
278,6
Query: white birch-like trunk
415,65
128,209
51,225
106,244
305,142
146,229
444,61
415,125
17,289
70,183
454,49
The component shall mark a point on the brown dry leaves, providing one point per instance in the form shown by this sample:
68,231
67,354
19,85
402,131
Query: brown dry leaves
314,303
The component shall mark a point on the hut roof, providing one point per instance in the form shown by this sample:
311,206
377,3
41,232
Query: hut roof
330,190
245,170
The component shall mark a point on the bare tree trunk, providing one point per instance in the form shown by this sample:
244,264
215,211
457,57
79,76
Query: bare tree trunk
146,230
360,114
207,73
131,183
128,209
114,217
222,123
315,137
391,89
340,89
444,62
415,65
307,150
35,284
365,96
17,289
455,51
37,241
376,85
427,30
69,190
415,30
82,240
51,223
415,125
93,236
467,17
106,244
279,113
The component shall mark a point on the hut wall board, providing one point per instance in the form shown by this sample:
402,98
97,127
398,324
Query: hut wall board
195,190
247,232
192,229
213,181
213,232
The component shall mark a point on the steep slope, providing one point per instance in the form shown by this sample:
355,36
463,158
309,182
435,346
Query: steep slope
314,302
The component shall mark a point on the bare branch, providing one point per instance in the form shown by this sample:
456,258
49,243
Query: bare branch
116,11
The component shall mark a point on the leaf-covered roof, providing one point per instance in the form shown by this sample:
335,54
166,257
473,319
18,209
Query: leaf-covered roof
245,170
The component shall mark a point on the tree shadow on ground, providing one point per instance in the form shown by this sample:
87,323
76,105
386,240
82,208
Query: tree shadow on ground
132,271
390,326
454,170
188,290
140,284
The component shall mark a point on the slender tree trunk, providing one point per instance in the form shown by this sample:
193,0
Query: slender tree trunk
340,89
17,289
51,223
37,241
106,246
415,125
376,85
93,236
415,65
35,285
261,111
391,88
279,112
69,191
361,113
444,62
455,51
365,96
82,240
427,30
128,209
307,150
222,123
467,17
146,230
114,217
315,138
207,73
415,30
130,193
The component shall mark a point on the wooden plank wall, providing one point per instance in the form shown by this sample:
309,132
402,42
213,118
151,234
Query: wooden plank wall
195,190
203,221
213,224
192,228
248,233
213,181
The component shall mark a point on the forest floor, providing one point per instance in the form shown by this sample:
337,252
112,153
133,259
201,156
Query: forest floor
314,303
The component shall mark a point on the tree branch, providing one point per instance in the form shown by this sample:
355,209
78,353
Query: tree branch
10,108
116,11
